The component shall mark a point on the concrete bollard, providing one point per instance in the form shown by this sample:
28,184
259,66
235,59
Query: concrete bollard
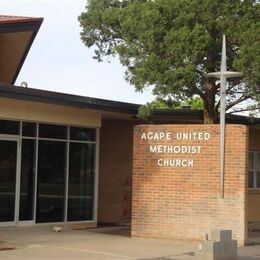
220,246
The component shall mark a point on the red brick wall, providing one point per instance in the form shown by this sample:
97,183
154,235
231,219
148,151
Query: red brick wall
184,202
115,172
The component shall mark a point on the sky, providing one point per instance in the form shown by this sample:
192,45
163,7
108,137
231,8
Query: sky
59,61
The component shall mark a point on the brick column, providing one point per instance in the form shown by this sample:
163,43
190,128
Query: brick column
182,201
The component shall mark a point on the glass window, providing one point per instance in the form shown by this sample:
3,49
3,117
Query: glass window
51,181
9,127
8,150
52,131
81,181
83,134
27,179
254,170
29,129
251,161
251,179
258,179
257,161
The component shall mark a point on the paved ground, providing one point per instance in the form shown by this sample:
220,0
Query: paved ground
41,242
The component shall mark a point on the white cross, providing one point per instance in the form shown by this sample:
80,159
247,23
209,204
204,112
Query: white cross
223,75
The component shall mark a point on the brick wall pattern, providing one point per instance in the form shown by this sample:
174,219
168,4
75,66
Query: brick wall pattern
115,171
184,202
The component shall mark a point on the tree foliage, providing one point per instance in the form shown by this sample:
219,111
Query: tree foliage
144,112
172,44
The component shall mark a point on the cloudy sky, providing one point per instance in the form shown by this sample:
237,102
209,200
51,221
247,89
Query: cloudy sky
59,61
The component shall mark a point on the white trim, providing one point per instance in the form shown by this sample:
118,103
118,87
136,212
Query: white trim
66,195
9,137
25,223
49,123
7,224
28,138
83,142
52,139
18,180
36,173
65,223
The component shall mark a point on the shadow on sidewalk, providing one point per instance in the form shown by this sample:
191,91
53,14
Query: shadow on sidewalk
123,231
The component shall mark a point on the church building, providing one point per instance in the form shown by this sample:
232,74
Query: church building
83,161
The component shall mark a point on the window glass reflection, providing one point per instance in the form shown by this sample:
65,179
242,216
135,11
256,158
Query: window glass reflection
9,127
29,129
251,161
27,179
250,179
258,180
8,150
83,134
51,181
81,181
257,161
52,131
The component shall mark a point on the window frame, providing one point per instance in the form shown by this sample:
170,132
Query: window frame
254,170
19,136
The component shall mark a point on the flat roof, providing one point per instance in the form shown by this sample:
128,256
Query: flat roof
158,115
195,116
50,97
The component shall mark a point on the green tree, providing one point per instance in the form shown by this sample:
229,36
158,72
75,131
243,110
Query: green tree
144,112
172,44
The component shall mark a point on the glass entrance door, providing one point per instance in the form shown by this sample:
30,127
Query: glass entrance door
51,181
47,173
8,181
27,181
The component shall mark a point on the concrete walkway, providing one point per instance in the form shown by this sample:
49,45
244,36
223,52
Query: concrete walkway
42,243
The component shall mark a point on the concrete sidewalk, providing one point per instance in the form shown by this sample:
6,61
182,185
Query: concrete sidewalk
108,243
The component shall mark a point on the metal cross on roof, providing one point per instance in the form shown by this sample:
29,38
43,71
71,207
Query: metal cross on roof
223,75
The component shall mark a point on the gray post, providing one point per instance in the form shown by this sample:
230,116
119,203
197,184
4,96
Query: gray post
223,75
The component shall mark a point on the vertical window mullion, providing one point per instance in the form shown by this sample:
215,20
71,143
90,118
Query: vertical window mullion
96,177
36,172
67,176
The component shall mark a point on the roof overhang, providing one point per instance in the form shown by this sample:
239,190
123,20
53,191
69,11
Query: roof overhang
192,116
16,37
81,102
115,109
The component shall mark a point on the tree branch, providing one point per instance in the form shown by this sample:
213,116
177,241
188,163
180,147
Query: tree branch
241,99
244,110
230,88
217,106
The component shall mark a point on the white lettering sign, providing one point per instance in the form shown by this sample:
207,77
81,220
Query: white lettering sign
156,136
175,163
167,149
